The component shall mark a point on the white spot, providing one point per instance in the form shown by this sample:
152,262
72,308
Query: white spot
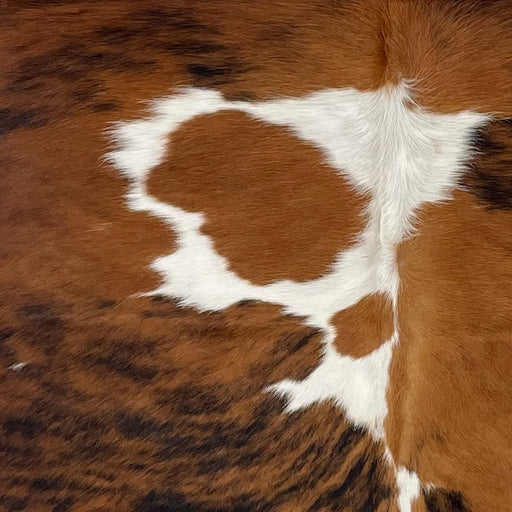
17,367
402,156
358,386
409,488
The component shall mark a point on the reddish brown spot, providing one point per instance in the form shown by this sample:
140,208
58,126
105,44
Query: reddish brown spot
284,215
364,327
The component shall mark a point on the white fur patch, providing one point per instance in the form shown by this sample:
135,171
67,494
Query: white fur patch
402,156
408,488
17,367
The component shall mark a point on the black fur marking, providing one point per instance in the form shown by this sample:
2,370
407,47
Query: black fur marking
484,143
160,299
105,106
89,449
73,71
5,334
376,492
71,75
495,191
206,71
47,484
137,467
226,439
106,303
348,440
164,502
11,119
43,3
176,502
361,490
120,357
214,465
162,29
440,500
65,505
126,368
13,503
248,303
43,326
489,176
171,20
135,426
74,61
116,35
27,427
295,342
189,400
215,73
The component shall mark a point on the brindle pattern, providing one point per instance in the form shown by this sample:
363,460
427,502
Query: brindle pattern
171,415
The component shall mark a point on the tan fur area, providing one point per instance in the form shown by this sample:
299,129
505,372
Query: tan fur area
457,52
449,395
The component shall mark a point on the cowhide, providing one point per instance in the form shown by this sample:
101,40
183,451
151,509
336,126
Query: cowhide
256,256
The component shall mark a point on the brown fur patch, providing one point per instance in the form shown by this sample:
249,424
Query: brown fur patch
132,404
457,52
363,327
90,55
64,220
440,500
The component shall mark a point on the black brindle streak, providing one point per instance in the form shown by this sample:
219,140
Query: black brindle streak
489,176
440,500
12,119
75,67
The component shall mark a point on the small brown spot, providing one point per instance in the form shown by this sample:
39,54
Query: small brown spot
365,326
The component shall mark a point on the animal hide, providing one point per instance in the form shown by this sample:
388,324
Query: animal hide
256,256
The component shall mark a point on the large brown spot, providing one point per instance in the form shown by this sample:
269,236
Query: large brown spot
272,207
364,327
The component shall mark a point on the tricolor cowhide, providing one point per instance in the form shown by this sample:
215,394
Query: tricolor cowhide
256,256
